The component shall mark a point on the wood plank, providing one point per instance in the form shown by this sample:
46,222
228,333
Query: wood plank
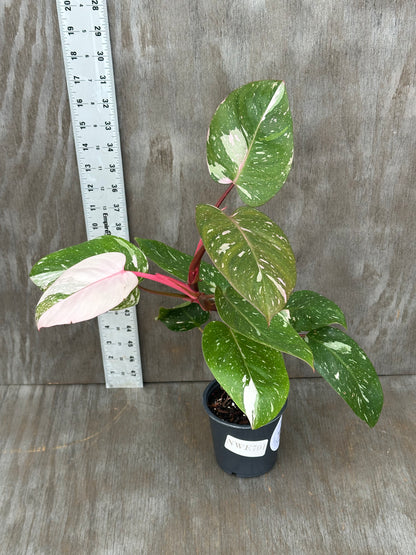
89,470
348,204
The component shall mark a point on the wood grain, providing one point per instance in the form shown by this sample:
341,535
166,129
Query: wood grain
89,470
348,207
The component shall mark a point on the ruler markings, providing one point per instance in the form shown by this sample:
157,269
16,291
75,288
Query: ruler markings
86,48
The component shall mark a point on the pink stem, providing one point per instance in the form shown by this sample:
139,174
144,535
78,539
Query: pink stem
199,246
170,282
193,273
222,198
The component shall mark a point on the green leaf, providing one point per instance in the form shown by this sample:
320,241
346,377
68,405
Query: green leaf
240,315
309,310
177,263
347,368
252,253
183,317
49,268
250,141
253,375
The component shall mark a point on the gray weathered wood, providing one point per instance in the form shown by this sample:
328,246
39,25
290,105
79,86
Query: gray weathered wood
348,207
85,470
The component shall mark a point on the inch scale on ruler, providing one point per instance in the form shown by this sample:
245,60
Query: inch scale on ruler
86,48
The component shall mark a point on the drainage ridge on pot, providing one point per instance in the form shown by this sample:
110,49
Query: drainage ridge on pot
240,450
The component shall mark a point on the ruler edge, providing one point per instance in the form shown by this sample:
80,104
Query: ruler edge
139,378
59,4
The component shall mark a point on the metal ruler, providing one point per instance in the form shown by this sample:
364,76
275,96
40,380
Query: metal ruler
86,48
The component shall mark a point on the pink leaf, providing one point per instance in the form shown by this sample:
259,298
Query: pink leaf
94,285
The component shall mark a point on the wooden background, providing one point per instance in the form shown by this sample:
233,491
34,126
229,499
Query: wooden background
348,207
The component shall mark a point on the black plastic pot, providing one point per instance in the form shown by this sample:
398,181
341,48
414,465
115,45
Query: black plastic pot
240,450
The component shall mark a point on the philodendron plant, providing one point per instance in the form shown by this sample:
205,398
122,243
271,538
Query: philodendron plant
249,284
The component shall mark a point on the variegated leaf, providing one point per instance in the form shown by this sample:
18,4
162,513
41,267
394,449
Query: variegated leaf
347,368
250,141
252,374
183,317
49,268
87,289
240,315
308,310
252,253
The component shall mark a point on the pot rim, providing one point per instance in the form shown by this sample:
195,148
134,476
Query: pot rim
213,416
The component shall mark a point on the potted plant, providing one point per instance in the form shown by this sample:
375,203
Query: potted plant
248,287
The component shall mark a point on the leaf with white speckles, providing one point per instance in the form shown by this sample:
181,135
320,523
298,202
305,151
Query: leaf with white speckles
177,263
250,141
309,311
254,256
183,317
240,315
347,368
252,374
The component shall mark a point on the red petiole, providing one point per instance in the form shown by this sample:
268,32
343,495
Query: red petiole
193,274
189,291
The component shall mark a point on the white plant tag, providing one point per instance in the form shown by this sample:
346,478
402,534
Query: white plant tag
275,439
246,448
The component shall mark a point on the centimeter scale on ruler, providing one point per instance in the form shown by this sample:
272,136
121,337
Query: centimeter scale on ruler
86,48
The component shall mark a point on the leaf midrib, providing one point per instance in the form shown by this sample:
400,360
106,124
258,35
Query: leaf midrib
252,248
243,163
239,228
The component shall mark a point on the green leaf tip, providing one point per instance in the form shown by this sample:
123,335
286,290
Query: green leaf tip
347,368
308,311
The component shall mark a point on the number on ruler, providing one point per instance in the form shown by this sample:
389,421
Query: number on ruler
88,67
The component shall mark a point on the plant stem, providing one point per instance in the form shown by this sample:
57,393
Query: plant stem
193,273
222,198
188,291
171,282
165,293
205,301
